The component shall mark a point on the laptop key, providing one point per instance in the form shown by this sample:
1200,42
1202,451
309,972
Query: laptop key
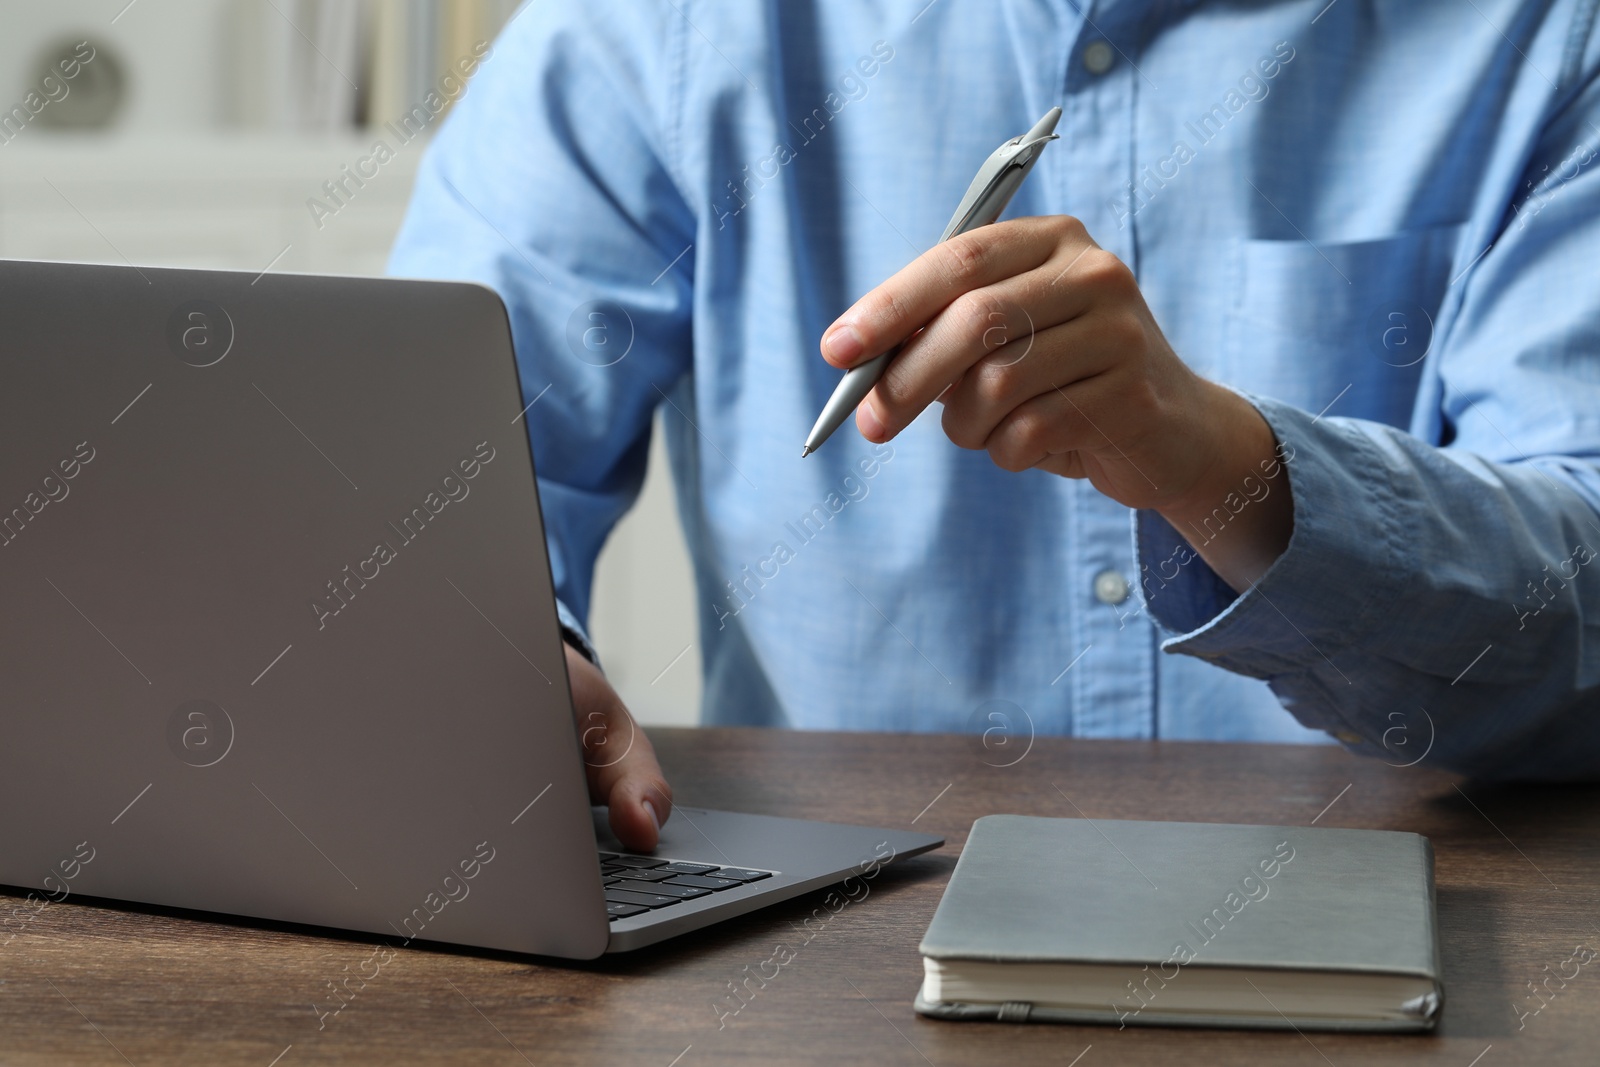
701,881
607,857
643,876
644,900
636,861
739,874
678,892
622,911
690,868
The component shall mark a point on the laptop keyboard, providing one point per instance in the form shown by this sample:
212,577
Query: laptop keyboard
637,884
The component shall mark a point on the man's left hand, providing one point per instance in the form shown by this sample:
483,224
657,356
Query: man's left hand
1044,354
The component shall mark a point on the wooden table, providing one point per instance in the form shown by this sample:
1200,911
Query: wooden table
1518,875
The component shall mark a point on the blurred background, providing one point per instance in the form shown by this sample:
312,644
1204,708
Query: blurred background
204,133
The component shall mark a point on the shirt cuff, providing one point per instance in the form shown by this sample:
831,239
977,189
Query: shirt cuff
572,631
1346,559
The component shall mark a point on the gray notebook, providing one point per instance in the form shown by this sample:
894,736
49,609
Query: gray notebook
1186,924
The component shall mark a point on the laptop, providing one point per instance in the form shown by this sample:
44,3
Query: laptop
279,633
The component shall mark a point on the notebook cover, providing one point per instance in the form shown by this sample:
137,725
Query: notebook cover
1188,895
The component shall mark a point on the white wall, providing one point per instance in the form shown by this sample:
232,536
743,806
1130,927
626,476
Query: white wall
644,618
174,53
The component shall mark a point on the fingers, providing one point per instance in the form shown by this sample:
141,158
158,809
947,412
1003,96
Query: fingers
988,334
900,306
1035,365
997,326
1060,431
619,761
1044,428
637,794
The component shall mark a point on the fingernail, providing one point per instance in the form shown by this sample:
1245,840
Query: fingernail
868,423
651,808
843,344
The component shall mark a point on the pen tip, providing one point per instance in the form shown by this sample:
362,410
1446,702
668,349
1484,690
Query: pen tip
805,451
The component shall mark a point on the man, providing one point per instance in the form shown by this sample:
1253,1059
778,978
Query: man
1309,287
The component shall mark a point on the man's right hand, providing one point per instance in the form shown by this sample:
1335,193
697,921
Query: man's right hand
618,758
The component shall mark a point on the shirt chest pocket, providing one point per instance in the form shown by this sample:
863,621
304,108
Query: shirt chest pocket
1352,321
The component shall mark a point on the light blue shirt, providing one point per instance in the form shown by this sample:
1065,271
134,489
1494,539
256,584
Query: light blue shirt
1380,221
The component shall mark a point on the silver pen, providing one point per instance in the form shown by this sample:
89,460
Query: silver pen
997,180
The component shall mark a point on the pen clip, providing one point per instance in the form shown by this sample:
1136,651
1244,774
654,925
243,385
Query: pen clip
1003,170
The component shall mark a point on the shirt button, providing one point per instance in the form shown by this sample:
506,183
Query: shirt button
1110,587
1098,57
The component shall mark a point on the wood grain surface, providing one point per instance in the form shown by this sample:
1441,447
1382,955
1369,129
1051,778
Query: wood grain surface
1518,872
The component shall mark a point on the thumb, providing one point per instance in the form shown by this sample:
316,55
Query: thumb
619,761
